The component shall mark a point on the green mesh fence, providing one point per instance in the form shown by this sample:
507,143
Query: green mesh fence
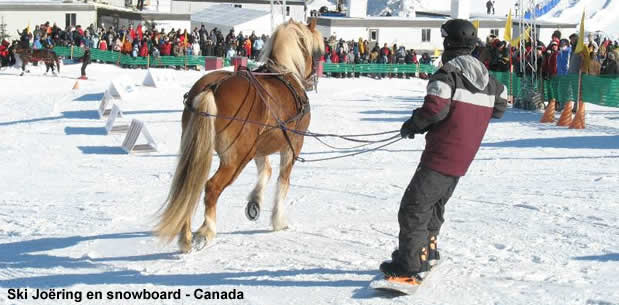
600,90
124,59
377,68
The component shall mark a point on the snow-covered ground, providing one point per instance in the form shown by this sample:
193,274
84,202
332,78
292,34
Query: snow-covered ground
535,221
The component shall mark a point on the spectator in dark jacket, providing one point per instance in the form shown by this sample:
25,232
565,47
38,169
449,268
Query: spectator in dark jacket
609,66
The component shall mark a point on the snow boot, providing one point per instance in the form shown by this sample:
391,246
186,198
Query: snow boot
395,268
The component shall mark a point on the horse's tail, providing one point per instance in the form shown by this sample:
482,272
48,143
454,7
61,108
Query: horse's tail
194,164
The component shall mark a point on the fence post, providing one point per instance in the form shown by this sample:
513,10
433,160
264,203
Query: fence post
185,62
147,61
71,52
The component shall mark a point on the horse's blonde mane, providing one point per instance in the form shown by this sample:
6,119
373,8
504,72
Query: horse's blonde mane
291,43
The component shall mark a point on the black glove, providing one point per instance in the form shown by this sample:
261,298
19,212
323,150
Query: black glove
407,131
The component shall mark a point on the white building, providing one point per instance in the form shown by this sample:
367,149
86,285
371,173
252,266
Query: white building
18,15
225,18
293,9
421,30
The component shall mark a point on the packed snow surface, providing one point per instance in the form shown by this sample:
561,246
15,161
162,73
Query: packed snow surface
534,221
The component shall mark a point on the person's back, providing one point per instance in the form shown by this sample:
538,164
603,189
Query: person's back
452,144
575,59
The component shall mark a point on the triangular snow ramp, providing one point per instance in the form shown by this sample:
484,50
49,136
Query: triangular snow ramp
106,101
136,129
109,125
159,79
115,91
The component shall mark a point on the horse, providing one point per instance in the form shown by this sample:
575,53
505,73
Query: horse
27,55
242,116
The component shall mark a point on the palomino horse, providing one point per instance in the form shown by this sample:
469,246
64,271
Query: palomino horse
27,55
242,116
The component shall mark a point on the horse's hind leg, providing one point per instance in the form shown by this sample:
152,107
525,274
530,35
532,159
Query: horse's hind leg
256,197
279,219
225,175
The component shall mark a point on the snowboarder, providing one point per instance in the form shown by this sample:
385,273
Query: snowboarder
85,61
461,99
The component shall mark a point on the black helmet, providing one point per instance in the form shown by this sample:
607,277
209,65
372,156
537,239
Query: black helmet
459,34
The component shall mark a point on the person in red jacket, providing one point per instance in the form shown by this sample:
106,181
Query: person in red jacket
4,53
461,99
549,65
335,59
166,49
139,32
144,49
132,33
102,45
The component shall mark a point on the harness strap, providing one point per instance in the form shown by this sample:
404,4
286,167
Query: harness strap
301,105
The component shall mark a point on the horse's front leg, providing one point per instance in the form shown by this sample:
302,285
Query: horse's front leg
279,219
256,197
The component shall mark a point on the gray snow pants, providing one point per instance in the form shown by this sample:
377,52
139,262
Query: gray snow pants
421,213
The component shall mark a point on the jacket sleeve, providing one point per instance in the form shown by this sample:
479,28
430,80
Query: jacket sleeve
500,101
436,103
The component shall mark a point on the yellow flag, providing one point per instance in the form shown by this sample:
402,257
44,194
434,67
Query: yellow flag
507,36
526,36
476,24
124,34
581,35
580,47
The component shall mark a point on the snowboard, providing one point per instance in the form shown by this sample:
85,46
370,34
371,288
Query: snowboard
405,286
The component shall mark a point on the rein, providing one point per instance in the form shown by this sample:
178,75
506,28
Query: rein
251,77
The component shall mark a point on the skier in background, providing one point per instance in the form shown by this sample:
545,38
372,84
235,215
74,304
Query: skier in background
461,99
85,61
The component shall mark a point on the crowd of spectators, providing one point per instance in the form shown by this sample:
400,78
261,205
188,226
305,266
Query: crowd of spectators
362,52
141,41
558,57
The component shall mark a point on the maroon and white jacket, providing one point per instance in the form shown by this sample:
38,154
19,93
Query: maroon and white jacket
461,99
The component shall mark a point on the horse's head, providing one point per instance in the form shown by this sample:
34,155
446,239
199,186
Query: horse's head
295,47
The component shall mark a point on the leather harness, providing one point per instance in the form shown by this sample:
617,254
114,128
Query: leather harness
300,97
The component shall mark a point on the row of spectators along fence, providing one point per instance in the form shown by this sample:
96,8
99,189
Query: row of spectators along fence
600,90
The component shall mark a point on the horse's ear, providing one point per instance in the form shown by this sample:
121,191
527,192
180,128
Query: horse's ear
312,24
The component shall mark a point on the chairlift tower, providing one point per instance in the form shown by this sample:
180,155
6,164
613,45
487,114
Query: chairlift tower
275,6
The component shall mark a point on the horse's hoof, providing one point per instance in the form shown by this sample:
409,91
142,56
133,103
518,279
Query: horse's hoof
185,248
199,242
252,211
